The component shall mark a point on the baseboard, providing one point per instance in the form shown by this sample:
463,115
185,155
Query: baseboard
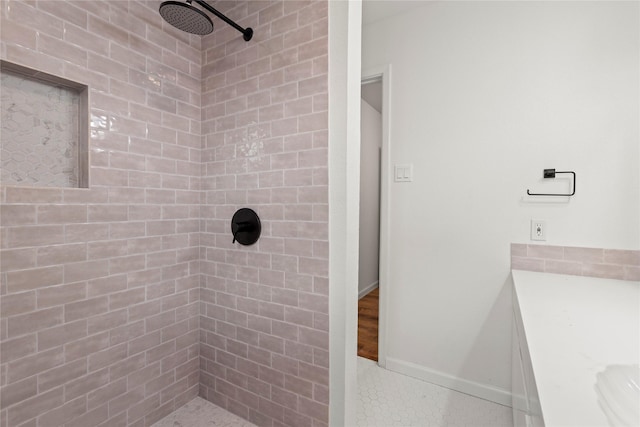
482,391
368,289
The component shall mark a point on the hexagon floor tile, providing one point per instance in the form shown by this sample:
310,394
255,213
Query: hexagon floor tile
202,413
386,399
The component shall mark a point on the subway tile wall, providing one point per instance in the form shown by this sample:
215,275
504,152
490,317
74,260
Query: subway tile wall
121,302
100,286
264,308
577,261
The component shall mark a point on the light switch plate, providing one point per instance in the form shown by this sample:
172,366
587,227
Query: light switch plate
403,173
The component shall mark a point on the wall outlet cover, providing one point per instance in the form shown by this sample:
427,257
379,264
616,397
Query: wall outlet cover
538,229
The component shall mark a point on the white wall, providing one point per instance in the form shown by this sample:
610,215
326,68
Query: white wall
370,144
344,154
484,96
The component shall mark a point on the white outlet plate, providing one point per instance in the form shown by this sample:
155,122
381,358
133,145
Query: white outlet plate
538,229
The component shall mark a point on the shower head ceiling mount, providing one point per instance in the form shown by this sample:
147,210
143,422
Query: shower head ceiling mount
186,17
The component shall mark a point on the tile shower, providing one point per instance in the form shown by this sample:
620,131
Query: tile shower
124,301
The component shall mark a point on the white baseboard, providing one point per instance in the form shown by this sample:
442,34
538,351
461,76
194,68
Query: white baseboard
368,289
482,391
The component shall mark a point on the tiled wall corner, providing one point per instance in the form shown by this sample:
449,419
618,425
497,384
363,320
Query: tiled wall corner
100,287
592,262
264,319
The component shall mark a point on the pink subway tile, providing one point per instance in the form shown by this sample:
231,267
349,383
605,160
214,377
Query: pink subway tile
92,417
107,321
106,249
60,335
313,302
86,384
563,267
624,257
299,385
529,264
11,215
518,250
17,259
18,391
34,321
126,264
122,230
75,272
33,364
107,357
85,232
19,303
35,235
62,50
585,255
106,285
608,271
316,410
84,39
59,416
86,346
297,419
15,33
321,103
314,337
631,273
34,406
105,30
61,254
34,59
545,252
85,308
60,295
61,374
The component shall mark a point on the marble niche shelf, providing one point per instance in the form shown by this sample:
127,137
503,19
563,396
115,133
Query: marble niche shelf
45,133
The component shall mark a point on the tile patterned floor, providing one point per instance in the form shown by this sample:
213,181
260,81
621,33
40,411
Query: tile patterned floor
202,413
385,399
388,399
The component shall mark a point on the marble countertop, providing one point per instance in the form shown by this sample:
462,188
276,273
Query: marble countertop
575,327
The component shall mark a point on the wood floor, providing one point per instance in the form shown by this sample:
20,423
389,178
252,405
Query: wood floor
368,325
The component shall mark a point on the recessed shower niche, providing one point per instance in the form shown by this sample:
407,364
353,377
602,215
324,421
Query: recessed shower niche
44,133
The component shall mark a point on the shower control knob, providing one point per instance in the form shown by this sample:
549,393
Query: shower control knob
245,226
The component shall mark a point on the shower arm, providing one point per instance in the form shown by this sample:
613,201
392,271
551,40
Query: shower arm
247,33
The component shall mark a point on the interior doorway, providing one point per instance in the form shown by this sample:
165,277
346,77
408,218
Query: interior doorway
373,286
369,232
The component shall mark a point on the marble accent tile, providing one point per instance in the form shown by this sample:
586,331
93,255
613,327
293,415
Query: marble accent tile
39,143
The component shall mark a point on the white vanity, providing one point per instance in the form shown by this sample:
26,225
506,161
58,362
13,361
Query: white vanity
566,331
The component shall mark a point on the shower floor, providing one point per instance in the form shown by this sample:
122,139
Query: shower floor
385,399
202,413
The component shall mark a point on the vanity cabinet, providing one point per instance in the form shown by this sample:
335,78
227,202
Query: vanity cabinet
525,401
567,331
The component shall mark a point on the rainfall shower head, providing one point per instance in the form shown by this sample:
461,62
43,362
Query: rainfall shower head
185,17
192,20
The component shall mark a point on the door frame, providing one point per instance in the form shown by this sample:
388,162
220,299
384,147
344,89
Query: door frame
383,74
